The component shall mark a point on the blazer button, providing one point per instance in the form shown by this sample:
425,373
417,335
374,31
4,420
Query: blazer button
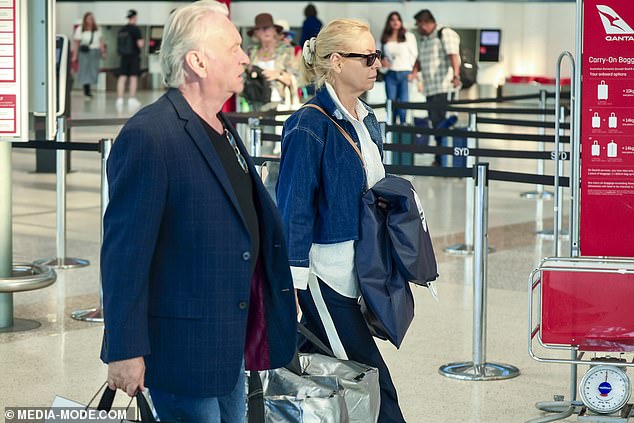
246,256
242,305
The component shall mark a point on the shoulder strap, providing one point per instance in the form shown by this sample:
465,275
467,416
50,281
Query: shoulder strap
343,132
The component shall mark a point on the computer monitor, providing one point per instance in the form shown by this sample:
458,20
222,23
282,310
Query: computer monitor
490,45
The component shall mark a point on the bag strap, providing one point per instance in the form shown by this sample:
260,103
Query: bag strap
343,132
255,399
107,398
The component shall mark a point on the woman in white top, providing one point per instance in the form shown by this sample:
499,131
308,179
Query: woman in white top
88,49
331,155
399,54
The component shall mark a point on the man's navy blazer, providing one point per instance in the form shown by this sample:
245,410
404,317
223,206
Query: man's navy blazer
175,260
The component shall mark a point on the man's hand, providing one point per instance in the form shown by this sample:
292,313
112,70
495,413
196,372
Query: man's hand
127,375
456,81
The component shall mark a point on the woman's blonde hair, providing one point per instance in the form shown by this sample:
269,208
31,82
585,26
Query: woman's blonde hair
335,37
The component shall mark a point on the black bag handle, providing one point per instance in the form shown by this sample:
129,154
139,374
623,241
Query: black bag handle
107,398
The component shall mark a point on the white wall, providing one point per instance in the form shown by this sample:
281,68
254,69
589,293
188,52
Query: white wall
533,34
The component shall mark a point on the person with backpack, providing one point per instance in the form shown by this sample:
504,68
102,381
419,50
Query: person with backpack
439,64
129,45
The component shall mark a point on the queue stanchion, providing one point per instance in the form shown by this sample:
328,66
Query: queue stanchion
61,261
479,369
95,315
389,139
255,135
556,232
539,192
467,247
14,277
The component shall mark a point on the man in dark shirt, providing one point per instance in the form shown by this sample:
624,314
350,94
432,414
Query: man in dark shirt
196,283
129,45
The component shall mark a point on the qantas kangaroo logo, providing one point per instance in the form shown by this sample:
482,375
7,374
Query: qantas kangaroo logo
612,22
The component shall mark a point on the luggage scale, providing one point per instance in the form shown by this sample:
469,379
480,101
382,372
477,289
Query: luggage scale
585,305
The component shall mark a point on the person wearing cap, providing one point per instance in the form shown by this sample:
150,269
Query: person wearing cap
195,276
275,58
439,63
332,154
129,45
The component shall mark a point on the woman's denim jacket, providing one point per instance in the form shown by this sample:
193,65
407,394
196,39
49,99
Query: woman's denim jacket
321,178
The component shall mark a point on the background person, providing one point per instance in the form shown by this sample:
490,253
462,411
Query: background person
129,45
399,55
196,283
311,25
88,50
322,178
275,58
439,64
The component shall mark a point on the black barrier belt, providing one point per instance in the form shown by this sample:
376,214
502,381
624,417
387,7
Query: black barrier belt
457,172
260,160
495,99
517,122
53,145
497,175
271,137
500,110
76,123
475,152
475,134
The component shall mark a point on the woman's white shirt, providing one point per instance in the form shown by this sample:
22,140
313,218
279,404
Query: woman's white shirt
84,37
334,263
402,55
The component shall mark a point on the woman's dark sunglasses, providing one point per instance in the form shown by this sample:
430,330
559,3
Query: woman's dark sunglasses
369,58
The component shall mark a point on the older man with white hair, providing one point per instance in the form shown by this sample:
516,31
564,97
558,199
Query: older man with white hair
195,273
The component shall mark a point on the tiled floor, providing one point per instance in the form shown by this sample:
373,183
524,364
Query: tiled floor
62,356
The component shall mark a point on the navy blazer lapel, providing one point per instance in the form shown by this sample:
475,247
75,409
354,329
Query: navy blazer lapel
199,136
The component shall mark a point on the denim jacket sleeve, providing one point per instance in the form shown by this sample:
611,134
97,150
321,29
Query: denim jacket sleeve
297,187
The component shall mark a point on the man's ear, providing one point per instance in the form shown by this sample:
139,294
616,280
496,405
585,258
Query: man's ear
197,62
336,61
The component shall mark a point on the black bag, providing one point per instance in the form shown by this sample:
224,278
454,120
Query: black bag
125,42
85,48
468,66
256,88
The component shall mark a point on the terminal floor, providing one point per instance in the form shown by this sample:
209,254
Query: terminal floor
62,356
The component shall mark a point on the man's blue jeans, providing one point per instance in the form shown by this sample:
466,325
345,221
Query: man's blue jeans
230,408
397,89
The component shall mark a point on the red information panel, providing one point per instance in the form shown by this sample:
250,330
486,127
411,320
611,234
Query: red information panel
607,129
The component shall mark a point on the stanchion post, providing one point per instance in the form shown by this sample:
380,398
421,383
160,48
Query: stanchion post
95,315
389,137
255,134
467,247
479,368
539,192
61,261
6,233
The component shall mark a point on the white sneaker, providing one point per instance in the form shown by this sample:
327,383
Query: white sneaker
133,103
119,103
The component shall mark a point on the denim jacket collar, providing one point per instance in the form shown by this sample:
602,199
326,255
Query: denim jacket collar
326,102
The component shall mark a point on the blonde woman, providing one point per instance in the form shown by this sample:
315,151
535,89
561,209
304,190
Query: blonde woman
88,49
323,174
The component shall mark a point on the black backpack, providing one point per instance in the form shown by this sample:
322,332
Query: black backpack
125,42
468,65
